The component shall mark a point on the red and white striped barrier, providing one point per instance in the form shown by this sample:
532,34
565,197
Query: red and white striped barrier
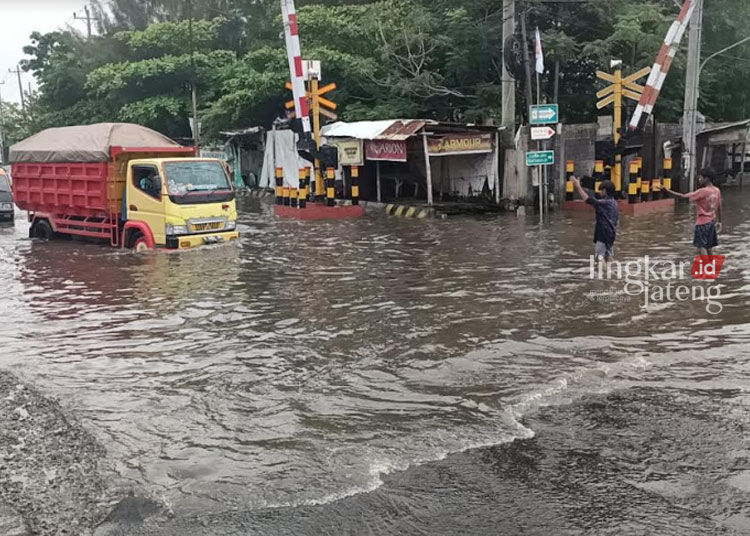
296,69
663,63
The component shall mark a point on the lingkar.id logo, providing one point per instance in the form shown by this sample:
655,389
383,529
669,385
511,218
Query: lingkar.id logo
659,281
708,267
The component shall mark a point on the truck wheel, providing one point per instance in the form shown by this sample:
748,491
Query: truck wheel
140,245
42,230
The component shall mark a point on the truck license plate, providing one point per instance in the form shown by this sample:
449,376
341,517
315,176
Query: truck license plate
213,239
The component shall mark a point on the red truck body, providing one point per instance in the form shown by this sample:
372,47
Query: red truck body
78,189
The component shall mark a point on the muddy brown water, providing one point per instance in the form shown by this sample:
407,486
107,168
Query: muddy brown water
315,365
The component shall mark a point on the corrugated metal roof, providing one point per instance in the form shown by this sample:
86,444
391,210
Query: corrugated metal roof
396,129
728,126
400,131
392,129
243,132
468,126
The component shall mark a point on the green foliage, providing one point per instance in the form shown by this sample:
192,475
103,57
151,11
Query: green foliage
252,91
639,30
13,125
173,38
152,110
390,58
161,72
59,63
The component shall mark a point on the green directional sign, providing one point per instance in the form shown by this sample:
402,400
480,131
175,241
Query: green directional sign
540,158
544,114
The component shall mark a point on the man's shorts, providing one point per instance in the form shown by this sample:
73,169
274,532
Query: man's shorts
705,236
604,251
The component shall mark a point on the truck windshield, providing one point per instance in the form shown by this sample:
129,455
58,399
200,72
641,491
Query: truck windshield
4,183
186,177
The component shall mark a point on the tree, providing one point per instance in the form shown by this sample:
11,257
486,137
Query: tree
438,59
14,127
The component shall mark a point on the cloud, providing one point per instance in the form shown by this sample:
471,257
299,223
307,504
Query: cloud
20,19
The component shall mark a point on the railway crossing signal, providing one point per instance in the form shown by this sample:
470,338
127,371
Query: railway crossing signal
319,106
325,107
624,87
613,94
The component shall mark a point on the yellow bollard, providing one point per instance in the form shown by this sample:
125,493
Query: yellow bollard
633,186
279,186
331,187
355,185
656,189
570,168
639,162
302,202
645,190
598,175
667,175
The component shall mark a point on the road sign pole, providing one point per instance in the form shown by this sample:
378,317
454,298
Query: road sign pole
617,125
539,145
540,174
542,114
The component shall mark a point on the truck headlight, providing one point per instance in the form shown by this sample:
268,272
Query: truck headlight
231,225
177,229
7,206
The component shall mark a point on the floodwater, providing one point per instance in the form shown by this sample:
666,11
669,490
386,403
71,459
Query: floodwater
389,376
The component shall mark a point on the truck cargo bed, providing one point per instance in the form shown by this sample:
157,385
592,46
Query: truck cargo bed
79,189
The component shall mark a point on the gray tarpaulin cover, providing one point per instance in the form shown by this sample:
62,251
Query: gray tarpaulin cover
89,143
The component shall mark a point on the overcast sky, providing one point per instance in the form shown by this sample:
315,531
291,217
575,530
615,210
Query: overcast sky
18,18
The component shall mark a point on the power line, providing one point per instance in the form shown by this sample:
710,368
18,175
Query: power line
725,57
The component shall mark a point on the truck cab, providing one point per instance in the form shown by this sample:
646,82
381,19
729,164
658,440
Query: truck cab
177,203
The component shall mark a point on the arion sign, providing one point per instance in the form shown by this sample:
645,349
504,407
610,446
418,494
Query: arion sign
388,150
460,144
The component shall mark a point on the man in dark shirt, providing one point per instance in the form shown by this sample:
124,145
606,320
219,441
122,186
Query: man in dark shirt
607,214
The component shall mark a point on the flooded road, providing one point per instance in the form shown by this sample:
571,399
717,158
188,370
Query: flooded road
391,376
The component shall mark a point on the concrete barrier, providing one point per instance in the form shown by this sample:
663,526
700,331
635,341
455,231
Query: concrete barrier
409,211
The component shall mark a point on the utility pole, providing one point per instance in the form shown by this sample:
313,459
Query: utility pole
2,123
508,82
526,63
193,87
88,18
20,87
529,102
690,119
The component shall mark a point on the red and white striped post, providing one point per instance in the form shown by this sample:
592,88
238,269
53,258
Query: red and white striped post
663,62
296,68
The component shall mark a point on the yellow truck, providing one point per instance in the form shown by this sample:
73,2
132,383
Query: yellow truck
124,184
